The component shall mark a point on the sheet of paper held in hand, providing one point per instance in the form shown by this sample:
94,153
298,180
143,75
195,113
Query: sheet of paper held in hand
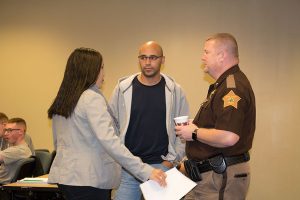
177,186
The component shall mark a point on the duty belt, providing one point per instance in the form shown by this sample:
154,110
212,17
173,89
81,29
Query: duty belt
207,165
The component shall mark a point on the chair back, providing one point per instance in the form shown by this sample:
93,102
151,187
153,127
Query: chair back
47,150
25,169
43,164
53,154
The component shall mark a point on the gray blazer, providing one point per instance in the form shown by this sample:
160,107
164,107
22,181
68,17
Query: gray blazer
88,150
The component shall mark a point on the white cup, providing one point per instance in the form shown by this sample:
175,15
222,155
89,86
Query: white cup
182,120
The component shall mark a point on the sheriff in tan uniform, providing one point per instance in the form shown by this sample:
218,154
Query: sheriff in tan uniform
222,132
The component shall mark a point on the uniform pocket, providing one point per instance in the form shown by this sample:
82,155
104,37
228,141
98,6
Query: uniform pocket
242,175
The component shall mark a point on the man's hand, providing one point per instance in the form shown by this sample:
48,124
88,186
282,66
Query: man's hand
167,164
181,168
185,132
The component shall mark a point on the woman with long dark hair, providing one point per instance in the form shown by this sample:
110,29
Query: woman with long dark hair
85,134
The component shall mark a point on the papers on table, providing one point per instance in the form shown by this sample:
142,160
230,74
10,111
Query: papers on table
177,186
33,180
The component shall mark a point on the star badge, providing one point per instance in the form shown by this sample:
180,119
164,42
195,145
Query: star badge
231,99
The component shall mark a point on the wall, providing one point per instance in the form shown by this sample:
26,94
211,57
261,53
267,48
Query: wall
36,38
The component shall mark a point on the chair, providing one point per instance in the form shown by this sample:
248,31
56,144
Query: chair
43,162
53,154
25,169
47,150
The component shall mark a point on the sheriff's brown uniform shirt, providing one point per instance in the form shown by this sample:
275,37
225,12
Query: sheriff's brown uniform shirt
229,106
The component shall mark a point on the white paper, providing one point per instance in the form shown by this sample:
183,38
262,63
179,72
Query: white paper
177,186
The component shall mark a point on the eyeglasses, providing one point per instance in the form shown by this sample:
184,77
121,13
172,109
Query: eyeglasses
151,58
10,130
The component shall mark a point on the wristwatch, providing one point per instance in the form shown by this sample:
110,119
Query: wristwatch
194,134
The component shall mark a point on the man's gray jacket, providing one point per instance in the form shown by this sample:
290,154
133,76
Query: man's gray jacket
176,103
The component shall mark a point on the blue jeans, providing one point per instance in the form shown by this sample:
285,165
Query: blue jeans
129,188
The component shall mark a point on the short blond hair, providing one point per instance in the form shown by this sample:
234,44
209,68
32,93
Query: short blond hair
18,121
228,41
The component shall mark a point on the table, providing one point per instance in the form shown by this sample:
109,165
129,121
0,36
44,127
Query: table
33,190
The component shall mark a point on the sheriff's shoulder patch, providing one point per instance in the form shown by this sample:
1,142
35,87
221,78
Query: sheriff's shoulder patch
231,99
230,81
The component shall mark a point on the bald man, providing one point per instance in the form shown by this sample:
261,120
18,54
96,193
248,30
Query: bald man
145,105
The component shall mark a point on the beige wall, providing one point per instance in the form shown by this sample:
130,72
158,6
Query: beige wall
36,37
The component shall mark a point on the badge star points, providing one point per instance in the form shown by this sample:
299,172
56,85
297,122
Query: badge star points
231,99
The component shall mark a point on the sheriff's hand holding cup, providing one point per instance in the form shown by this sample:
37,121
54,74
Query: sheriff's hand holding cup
184,127
181,121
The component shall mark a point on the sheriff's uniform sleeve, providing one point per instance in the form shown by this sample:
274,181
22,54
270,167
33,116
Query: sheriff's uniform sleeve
231,106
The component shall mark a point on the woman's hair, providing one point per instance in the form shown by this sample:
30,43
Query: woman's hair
82,70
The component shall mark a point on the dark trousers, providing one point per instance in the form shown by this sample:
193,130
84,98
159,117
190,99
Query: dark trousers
84,193
4,195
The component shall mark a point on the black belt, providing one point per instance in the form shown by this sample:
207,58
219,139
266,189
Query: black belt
206,165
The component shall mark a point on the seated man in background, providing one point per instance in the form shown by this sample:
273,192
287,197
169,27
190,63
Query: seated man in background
14,134
3,143
3,121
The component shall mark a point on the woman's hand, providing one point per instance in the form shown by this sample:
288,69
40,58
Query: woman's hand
159,176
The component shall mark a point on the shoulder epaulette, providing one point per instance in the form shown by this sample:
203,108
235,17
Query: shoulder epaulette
230,81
